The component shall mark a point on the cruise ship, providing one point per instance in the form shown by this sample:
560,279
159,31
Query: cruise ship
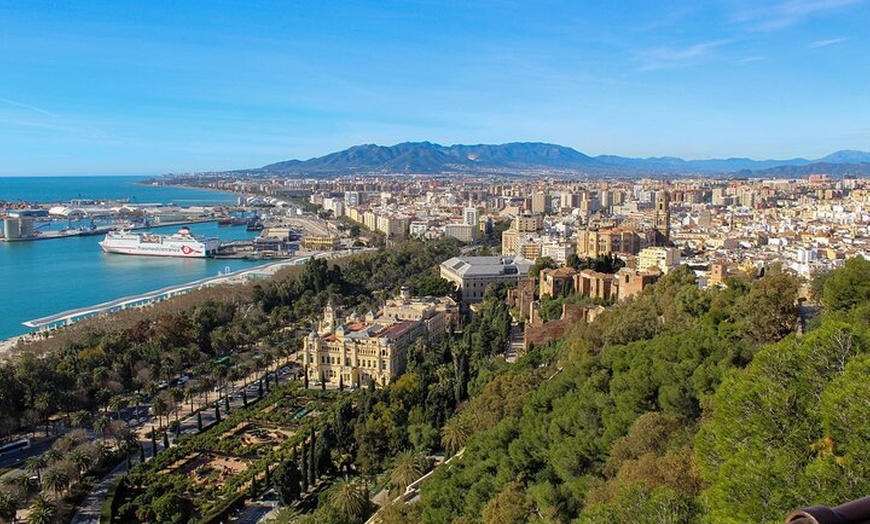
182,244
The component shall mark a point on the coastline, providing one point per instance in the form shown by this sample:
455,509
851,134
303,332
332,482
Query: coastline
34,277
8,345
197,188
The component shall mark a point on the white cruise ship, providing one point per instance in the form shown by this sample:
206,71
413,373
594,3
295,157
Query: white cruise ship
182,244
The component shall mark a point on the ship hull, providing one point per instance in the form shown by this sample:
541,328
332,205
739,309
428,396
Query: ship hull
180,245
115,250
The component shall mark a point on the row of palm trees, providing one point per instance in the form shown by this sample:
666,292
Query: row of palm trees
51,476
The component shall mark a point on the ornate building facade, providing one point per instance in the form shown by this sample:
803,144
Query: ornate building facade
355,349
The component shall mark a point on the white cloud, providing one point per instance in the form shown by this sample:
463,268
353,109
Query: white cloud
782,14
668,58
26,106
825,43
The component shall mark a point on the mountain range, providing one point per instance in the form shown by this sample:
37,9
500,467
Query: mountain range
520,157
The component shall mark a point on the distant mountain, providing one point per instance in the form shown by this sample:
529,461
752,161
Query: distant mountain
426,157
678,165
846,156
829,168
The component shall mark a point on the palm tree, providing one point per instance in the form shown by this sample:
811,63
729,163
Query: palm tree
80,418
177,396
407,467
42,511
160,406
190,395
34,466
205,384
454,434
53,455
16,486
56,480
116,404
349,499
82,458
8,508
101,424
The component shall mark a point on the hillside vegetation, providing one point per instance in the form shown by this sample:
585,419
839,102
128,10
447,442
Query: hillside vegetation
680,406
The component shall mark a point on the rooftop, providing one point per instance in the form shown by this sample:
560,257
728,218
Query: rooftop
494,265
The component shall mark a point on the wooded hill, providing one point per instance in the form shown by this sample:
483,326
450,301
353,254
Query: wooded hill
680,406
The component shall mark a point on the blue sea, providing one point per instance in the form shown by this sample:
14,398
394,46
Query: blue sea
44,277
63,189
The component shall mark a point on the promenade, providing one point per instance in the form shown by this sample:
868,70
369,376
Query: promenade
74,315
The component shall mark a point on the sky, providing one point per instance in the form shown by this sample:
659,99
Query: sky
151,87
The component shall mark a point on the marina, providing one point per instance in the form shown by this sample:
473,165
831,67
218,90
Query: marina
98,247
70,272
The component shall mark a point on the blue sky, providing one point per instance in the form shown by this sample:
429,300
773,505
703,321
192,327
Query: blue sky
148,87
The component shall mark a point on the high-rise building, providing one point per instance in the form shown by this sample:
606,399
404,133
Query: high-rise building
471,216
541,203
351,198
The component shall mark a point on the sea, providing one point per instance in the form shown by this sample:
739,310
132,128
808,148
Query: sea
40,278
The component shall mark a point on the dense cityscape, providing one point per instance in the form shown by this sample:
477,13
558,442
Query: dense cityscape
403,322
435,262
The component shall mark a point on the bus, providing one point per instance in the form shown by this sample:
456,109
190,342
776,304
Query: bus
14,447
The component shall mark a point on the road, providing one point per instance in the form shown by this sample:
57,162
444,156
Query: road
89,510
37,447
255,512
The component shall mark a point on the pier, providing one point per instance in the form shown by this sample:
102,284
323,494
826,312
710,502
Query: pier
75,315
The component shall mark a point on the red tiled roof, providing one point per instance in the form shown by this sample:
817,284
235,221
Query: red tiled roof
398,329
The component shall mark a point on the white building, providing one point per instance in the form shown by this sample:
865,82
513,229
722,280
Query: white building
664,258
472,275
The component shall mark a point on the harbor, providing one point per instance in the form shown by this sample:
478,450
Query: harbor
72,272
143,299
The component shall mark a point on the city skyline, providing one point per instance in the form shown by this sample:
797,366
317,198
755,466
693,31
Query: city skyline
98,88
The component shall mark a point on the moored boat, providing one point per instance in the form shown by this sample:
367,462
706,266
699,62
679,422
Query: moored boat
181,244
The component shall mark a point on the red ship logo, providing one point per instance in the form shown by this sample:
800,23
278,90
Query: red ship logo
187,250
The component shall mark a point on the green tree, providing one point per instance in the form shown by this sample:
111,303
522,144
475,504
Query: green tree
8,508
407,467
454,434
349,499
35,465
170,507
509,506
57,480
769,310
287,481
848,286
400,513
423,436
542,263
784,432
160,407
41,511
